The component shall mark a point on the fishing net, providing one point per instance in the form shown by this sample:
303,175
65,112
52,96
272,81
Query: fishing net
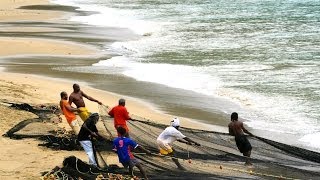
217,152
218,148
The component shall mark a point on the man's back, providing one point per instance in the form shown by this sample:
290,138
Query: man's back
123,146
120,115
84,133
236,127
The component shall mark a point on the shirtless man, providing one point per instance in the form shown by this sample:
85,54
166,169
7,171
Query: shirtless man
237,129
76,97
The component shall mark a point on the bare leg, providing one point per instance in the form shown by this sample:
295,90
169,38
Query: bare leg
131,170
142,171
178,164
248,161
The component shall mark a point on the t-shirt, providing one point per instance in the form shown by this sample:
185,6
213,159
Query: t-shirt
120,115
84,134
70,116
169,135
123,146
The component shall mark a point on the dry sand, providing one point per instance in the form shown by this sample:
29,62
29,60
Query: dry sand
9,11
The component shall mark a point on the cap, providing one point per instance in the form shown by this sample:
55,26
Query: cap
175,122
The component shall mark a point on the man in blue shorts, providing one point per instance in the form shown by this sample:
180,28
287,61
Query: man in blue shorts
123,146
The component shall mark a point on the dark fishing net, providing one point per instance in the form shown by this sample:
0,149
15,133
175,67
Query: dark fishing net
217,151
217,147
41,126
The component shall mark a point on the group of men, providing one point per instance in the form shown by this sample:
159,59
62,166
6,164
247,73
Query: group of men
123,144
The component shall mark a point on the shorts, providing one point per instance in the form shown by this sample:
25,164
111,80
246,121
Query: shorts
133,162
75,126
164,148
243,144
84,113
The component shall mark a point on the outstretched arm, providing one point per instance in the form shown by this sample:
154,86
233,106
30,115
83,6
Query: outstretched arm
90,98
245,130
68,107
143,149
191,141
70,100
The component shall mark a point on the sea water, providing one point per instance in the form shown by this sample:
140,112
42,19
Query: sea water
263,55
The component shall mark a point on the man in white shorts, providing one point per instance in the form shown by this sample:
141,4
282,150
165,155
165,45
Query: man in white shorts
168,136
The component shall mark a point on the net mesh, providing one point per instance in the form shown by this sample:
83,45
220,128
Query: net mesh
217,151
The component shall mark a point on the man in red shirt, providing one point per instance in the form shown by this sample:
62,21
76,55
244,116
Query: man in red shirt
120,115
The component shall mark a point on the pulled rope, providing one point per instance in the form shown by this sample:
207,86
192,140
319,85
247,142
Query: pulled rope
103,111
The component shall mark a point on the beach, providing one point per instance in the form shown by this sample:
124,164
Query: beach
38,41
24,159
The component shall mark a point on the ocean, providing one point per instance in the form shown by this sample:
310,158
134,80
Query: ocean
259,58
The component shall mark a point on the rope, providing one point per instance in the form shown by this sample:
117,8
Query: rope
78,168
203,149
103,110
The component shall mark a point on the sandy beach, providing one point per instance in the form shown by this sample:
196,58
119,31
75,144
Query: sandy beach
24,159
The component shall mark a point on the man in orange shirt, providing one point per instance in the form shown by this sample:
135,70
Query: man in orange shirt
68,112
120,115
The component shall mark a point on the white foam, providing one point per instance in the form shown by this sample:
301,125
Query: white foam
276,113
111,17
176,76
312,140
271,113
266,111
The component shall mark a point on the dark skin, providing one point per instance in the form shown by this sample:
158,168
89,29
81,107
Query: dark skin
236,128
77,95
69,108
139,165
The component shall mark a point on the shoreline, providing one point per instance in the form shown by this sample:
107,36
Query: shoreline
54,86
216,121
42,82
26,62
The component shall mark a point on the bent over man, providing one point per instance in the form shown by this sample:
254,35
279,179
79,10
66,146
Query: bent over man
87,132
168,136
